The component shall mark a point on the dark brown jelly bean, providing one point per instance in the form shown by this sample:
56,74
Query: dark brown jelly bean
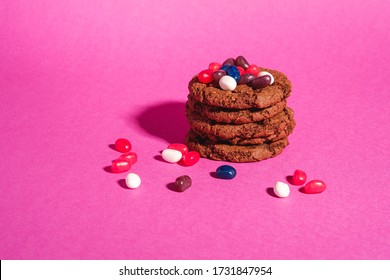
242,62
229,61
218,75
182,183
261,82
245,79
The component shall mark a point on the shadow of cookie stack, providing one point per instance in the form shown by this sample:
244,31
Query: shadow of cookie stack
237,112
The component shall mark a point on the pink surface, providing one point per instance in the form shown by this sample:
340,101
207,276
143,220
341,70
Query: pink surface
76,75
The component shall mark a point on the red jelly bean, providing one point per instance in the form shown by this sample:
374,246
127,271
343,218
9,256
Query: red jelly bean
253,69
205,76
183,149
214,66
299,177
190,158
122,145
241,70
314,186
131,157
120,165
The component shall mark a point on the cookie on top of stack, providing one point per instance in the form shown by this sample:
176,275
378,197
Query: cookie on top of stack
237,112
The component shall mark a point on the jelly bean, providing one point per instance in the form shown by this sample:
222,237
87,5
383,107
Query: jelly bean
229,61
261,82
205,76
183,149
171,155
253,69
133,181
281,189
299,177
218,75
246,79
214,66
314,186
227,83
226,172
241,70
122,145
224,67
190,158
264,73
182,183
241,61
130,157
120,165
232,71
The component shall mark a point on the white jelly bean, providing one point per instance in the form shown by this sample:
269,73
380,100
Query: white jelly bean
281,189
171,155
263,73
227,83
133,181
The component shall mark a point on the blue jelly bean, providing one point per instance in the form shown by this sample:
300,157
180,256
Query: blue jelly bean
224,67
233,72
226,172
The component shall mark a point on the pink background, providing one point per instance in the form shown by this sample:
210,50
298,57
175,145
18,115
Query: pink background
76,75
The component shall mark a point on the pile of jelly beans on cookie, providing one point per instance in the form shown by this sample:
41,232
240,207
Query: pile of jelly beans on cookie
235,72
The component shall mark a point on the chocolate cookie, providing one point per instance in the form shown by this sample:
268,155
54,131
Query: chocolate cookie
243,96
234,116
266,128
250,141
232,153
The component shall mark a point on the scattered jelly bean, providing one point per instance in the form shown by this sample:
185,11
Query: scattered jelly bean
131,157
120,165
241,61
281,189
299,177
224,67
229,61
133,181
214,66
232,71
246,79
227,83
241,70
314,186
253,69
190,158
226,172
182,183
264,73
171,155
218,75
122,145
182,148
261,82
205,76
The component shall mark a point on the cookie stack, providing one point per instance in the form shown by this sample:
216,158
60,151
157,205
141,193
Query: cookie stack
247,122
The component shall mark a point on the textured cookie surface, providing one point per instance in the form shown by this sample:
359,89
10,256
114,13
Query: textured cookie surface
286,131
266,128
243,96
235,153
234,116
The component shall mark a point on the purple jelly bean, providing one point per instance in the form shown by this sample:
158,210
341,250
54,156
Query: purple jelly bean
242,62
229,61
261,82
182,183
245,79
218,75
